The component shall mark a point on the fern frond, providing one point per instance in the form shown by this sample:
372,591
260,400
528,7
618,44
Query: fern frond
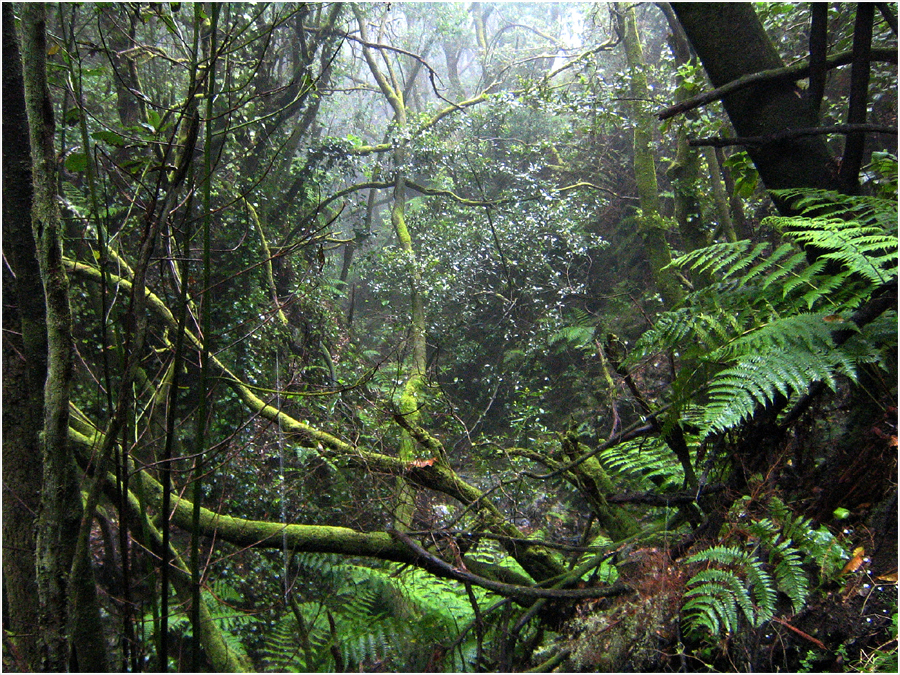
736,392
804,331
648,462
716,257
705,580
723,555
869,210
867,251
789,574
712,607
763,588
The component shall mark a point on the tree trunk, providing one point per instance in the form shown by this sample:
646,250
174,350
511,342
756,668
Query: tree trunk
742,227
684,172
69,615
651,226
411,397
731,42
24,364
720,198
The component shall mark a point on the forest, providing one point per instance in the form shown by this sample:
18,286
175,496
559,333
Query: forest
454,336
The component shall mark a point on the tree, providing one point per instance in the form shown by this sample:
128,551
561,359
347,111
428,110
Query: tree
24,364
69,614
731,43
651,225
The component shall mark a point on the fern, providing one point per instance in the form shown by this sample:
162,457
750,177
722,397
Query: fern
819,546
765,328
865,209
577,333
737,578
221,600
755,379
649,463
712,606
715,594
389,615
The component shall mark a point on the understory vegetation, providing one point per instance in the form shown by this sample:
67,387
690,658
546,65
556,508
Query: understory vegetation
416,337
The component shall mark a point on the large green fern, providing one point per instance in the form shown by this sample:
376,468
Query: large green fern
766,326
646,463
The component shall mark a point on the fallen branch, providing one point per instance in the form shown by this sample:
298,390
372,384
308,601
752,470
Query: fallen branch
805,636
438,567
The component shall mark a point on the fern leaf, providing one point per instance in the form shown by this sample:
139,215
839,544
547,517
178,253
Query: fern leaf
789,574
712,604
727,580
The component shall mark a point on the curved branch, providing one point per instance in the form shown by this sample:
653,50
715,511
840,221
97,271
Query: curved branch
390,545
439,567
537,561
796,72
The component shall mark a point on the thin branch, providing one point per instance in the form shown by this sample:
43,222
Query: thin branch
790,73
788,134
441,568
888,14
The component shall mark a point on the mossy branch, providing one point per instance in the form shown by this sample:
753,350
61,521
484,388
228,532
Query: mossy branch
537,561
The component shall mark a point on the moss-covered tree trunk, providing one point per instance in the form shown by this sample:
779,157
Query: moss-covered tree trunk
412,394
24,365
684,172
71,634
720,197
652,227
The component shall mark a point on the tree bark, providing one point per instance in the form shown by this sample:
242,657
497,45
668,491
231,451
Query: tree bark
71,633
24,363
859,94
742,227
684,172
720,198
731,42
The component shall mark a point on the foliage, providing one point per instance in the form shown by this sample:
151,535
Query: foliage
390,615
766,327
883,659
649,463
525,251
223,601
749,576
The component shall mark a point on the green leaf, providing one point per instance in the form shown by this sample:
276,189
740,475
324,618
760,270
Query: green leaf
154,119
76,162
109,137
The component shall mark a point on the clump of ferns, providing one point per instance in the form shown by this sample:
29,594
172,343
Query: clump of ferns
761,565
766,326
351,616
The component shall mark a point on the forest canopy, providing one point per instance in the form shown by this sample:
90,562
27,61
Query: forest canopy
454,336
